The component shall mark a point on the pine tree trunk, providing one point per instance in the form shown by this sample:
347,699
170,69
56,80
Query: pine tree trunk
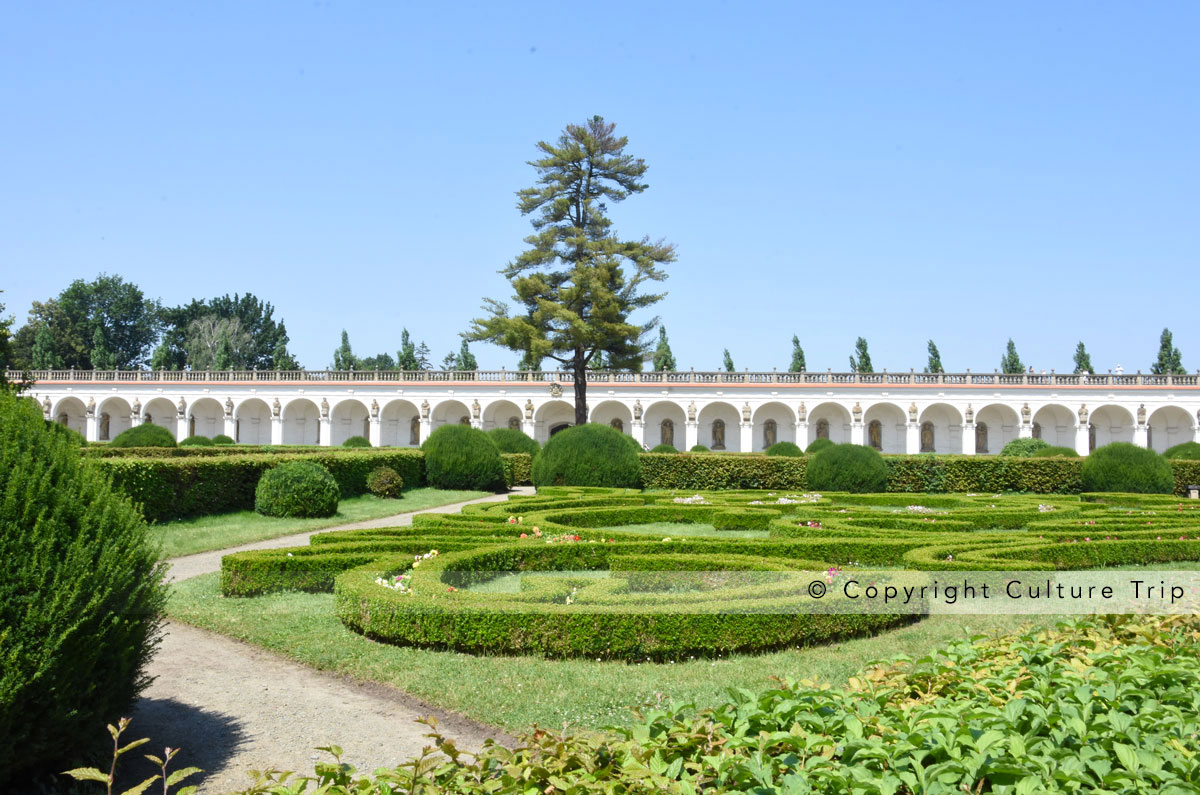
579,367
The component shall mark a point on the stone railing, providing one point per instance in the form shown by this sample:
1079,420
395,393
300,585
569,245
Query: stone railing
605,377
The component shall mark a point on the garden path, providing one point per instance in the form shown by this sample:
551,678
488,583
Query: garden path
234,708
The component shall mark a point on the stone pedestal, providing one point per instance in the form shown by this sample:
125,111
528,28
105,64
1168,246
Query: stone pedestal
427,428
181,428
912,439
477,424
529,428
324,435
856,433
1025,431
1081,439
802,435
968,438
376,430
93,428
691,436
231,428
1140,437
277,430
747,429
638,429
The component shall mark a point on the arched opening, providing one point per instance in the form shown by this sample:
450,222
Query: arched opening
113,418
654,417
252,422
773,422
562,426
875,435
718,428
613,414
206,417
348,418
301,422
1055,425
886,428
981,438
941,429
449,412
828,421
1167,427
71,412
501,414
1110,424
550,416
398,419
1001,424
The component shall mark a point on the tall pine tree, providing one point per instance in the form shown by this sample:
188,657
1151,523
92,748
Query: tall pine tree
797,365
1170,360
1010,362
1083,362
343,357
465,359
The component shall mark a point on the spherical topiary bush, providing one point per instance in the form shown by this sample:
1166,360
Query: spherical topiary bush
357,441
699,448
72,436
588,455
634,444
1054,451
784,448
1122,466
663,448
848,467
462,457
385,482
297,489
197,441
80,596
1189,451
221,438
817,445
1024,447
145,435
510,440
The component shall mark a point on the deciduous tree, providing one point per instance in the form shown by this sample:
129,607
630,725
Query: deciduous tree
1170,360
861,361
934,365
1010,362
727,362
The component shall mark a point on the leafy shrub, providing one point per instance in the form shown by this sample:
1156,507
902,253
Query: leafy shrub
145,435
588,455
1024,447
221,438
511,440
702,472
1125,467
385,482
785,448
297,489
664,448
848,467
1188,451
72,436
699,448
818,445
1054,450
634,444
197,441
357,441
462,457
518,469
80,596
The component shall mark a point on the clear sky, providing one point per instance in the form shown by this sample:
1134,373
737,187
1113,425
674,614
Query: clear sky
964,172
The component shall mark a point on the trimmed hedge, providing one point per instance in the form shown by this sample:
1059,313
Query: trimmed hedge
699,448
518,469
848,467
144,435
705,472
357,441
668,449
1189,451
784,448
818,445
385,482
588,455
1125,467
197,441
462,457
1053,451
221,438
511,440
1024,447
298,489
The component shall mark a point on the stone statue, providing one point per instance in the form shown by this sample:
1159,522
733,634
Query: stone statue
556,390
770,433
46,406
181,407
228,407
745,412
276,408
475,409
616,422
822,428
528,409
137,409
981,438
970,414
514,423
374,408
1142,414
858,412
324,407
875,434
91,407
912,413
718,435
637,410
414,431
667,429
424,409
802,412
692,411
1083,414
927,437
1025,414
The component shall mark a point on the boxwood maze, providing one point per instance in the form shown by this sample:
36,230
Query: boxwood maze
579,586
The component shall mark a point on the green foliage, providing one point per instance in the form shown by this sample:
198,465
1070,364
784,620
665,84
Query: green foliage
1170,360
861,363
462,457
1052,451
1010,362
817,445
518,469
160,763
72,436
385,482
1188,450
252,337
145,435
1125,467
343,356
588,455
932,473
221,438
511,440
406,357
934,365
727,362
1083,361
797,364
664,360
784,448
196,441
298,489
699,448
664,448
80,595
703,472
356,441
1024,447
465,360
848,467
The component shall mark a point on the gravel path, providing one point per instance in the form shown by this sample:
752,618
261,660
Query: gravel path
234,708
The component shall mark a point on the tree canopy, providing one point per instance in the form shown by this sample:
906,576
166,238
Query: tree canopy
1083,362
192,335
1170,360
1010,362
934,365
798,365
861,361
727,362
664,360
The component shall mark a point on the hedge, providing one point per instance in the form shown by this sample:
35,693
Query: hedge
517,468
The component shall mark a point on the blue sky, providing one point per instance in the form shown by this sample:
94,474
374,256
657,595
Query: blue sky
900,171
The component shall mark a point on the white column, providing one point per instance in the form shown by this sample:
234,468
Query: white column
276,430
427,428
477,423
528,427
856,433
968,438
181,425
912,439
691,435
747,437
1025,431
1140,437
638,429
230,427
801,434
1081,439
376,437
324,437
92,427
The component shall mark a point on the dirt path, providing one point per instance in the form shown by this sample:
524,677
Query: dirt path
235,708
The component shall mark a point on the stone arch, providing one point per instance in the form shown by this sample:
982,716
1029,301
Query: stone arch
1057,424
112,418
395,424
1168,426
892,419
836,419
608,412
500,414
945,422
1110,423
782,416
718,427
653,417
449,412
71,412
301,422
252,422
161,412
349,417
1001,424
206,417
551,417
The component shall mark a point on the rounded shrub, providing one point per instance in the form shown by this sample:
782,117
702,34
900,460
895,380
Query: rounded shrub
848,467
145,435
784,448
221,438
70,435
197,441
510,440
1125,467
588,455
1055,451
699,448
817,445
80,596
1188,451
357,441
1024,448
462,457
385,482
634,444
663,448
298,489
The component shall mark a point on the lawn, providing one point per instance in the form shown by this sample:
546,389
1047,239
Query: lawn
189,536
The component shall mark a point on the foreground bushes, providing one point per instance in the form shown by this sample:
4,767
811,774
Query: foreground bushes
144,435
299,489
588,455
462,457
510,440
848,467
1122,466
1024,447
80,595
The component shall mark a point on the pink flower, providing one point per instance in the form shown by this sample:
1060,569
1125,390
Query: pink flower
524,535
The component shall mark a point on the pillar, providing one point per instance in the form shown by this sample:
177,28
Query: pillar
230,427
1081,439
324,436
912,438
691,435
276,430
968,438
747,436
802,435
427,428
1140,437
376,431
477,423
1025,431
93,427
528,428
638,431
181,425
856,433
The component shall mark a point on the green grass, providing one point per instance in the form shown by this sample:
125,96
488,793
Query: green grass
516,692
682,529
205,533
